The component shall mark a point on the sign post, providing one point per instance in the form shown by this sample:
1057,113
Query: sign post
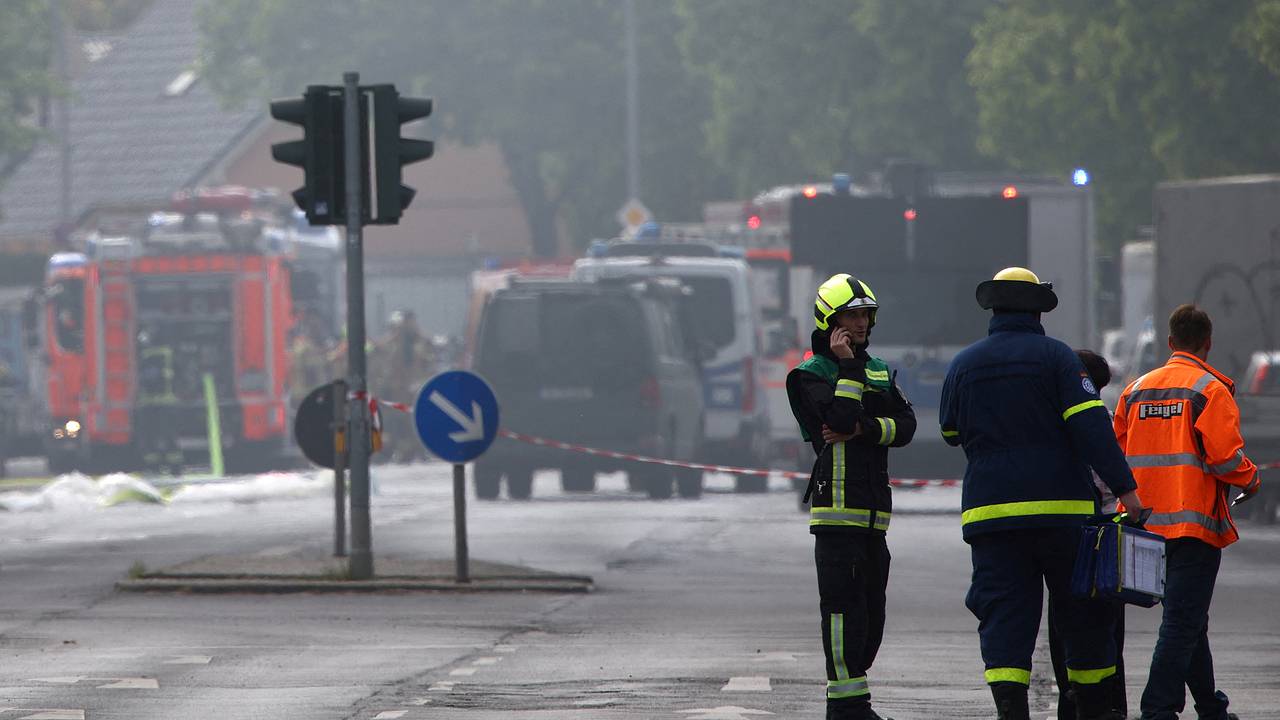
457,419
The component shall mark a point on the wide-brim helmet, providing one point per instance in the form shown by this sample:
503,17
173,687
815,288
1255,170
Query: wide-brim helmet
842,292
1016,289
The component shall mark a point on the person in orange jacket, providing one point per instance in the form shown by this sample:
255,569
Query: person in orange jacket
1179,428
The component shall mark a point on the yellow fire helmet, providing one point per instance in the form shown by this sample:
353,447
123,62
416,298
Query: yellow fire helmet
1016,289
842,292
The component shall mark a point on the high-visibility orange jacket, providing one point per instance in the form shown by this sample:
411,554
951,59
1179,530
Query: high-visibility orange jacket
1179,428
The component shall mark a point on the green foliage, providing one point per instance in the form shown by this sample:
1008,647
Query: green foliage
544,79
800,90
1136,90
24,74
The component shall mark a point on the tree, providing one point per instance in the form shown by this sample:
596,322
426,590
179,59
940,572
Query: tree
802,90
541,78
1136,90
25,79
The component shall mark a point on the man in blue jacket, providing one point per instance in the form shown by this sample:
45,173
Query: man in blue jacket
1031,424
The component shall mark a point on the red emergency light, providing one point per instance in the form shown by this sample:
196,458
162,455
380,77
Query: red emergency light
1010,192
909,214
810,191
753,222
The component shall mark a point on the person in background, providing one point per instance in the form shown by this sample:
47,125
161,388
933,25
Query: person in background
1100,375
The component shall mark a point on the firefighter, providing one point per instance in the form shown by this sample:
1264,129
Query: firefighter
1031,424
157,421
406,357
1180,429
851,411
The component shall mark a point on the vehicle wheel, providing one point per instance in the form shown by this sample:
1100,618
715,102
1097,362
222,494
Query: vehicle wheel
519,483
635,481
488,479
751,483
577,479
657,481
689,483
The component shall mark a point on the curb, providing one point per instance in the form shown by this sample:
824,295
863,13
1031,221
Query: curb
261,585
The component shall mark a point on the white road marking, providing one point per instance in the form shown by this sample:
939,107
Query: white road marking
756,683
188,660
72,680
441,687
50,714
724,712
777,656
487,661
505,648
130,684
420,701
390,714
464,671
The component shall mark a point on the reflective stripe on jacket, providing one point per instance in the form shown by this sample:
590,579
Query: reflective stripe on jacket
1031,424
850,480
1180,430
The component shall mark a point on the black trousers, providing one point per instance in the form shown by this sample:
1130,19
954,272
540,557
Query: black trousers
1058,656
1011,570
853,572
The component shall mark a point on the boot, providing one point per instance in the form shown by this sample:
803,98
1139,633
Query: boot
1011,701
1093,702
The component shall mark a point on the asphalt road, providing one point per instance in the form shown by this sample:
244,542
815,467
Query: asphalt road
703,609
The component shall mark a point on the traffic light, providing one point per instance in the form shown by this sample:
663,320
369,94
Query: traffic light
393,152
318,153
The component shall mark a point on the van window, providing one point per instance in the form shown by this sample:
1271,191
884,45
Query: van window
67,304
711,309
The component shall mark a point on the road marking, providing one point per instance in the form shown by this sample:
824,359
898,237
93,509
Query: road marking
755,683
112,683
505,648
441,687
724,712
50,714
420,701
390,714
464,671
487,661
188,660
777,656
130,684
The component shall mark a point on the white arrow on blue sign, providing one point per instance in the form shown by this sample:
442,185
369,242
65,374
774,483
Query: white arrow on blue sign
457,416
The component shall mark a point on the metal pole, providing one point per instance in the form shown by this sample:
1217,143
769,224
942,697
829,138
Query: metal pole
633,117
460,521
361,560
340,468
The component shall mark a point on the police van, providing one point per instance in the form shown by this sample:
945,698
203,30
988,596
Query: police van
736,423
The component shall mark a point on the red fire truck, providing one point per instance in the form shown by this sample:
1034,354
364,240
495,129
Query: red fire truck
152,335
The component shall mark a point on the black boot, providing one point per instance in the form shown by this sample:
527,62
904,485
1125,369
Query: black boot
1093,702
1011,701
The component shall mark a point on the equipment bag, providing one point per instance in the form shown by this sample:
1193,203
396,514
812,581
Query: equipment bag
1119,562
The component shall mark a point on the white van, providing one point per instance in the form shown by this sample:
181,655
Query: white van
736,425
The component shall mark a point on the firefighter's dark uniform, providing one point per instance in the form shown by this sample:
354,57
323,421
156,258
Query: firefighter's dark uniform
1031,424
850,507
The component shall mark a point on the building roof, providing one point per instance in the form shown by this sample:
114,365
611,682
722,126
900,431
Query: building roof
142,125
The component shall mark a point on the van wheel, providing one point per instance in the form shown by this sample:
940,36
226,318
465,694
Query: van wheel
487,478
656,481
577,479
751,483
689,483
519,483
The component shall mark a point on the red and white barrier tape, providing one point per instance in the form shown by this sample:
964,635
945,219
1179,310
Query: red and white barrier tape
613,455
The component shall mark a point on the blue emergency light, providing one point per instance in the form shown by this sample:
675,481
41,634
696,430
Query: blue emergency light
1080,177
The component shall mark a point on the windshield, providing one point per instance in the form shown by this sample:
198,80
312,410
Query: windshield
711,310
67,302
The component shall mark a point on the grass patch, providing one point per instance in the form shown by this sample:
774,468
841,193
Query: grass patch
137,570
336,572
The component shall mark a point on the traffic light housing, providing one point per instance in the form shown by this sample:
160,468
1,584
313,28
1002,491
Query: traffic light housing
319,153
392,152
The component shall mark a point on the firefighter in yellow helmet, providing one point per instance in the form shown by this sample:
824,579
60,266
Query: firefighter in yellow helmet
851,411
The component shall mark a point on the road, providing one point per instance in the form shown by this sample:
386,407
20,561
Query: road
702,609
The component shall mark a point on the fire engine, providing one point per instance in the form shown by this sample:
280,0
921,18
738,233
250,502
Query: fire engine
154,337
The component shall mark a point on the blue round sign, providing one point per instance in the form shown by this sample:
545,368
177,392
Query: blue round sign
456,415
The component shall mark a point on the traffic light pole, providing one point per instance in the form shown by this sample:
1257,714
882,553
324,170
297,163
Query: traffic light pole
360,564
